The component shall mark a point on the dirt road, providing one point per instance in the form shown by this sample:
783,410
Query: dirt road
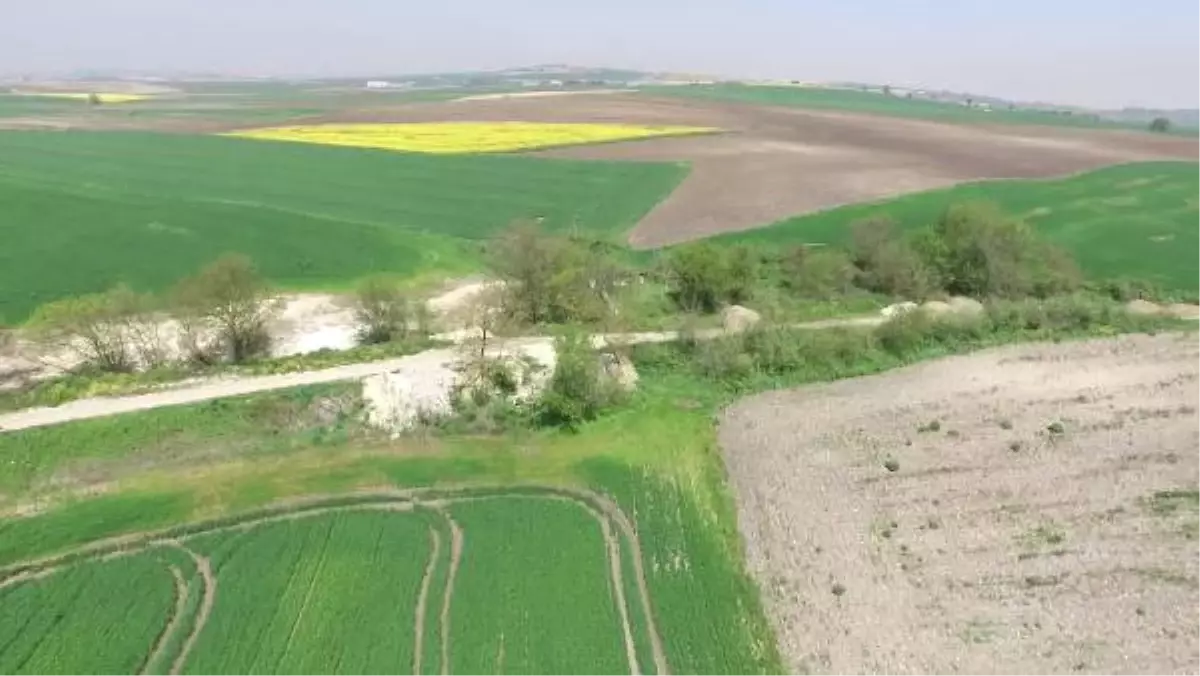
1028,509
426,368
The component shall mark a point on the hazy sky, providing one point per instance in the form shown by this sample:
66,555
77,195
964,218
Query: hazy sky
1090,52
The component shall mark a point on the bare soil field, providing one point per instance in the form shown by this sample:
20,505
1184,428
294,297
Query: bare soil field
777,162
1027,509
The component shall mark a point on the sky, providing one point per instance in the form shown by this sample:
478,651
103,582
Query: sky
1100,53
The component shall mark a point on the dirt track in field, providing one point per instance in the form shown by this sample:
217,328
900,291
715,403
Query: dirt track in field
997,544
774,162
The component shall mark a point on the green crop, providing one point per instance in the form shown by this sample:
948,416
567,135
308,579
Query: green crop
83,211
532,594
324,594
1130,221
95,617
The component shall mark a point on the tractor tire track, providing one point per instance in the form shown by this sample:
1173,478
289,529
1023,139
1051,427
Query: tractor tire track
456,549
308,595
160,644
398,500
435,546
204,568
612,546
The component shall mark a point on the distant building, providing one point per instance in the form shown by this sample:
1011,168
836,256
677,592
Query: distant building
378,84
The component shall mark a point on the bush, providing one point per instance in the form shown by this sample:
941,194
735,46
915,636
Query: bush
1125,289
905,333
231,298
381,309
578,390
1073,313
107,328
817,273
553,279
886,263
702,276
974,249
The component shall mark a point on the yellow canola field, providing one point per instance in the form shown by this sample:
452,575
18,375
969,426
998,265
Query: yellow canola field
464,137
105,97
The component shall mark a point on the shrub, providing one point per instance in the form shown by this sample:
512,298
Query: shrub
229,296
701,276
578,390
886,263
104,327
553,279
381,310
976,250
905,333
1126,289
821,273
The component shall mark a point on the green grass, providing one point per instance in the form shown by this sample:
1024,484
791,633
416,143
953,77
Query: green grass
327,594
261,423
95,617
894,106
85,210
1129,221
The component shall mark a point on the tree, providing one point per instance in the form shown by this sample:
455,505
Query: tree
578,391
702,276
1160,125
977,250
817,273
381,309
98,325
885,262
553,279
93,99
229,297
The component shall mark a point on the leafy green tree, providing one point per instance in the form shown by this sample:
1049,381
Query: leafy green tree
886,263
977,250
702,276
817,273
551,279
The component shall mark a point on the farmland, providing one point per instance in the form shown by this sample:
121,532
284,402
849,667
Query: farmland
820,98
1136,220
392,584
99,208
463,137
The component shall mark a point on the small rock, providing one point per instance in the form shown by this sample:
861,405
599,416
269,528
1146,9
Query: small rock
897,309
966,307
1142,307
735,318
936,308
620,370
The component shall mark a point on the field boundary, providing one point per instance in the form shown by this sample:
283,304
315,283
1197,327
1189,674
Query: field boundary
596,505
